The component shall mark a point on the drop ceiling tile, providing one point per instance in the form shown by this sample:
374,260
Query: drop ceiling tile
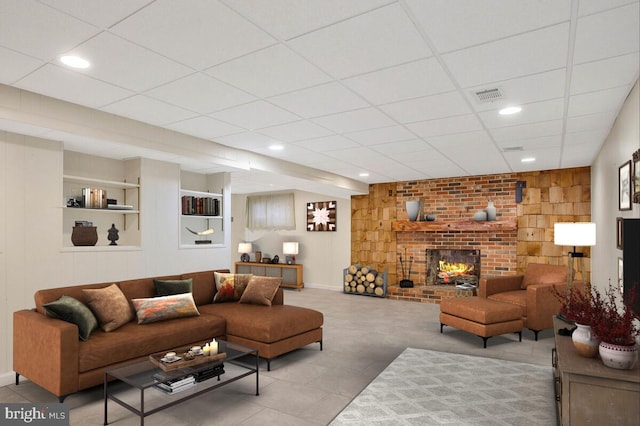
148,110
125,64
327,143
605,74
446,126
281,70
522,90
415,79
546,159
442,168
201,35
351,121
296,131
474,142
394,148
357,155
255,115
101,13
479,22
380,32
204,127
380,135
594,102
587,7
526,131
21,65
319,100
524,54
492,163
579,155
531,113
532,143
611,33
600,121
201,93
591,137
286,19
428,108
39,31
61,83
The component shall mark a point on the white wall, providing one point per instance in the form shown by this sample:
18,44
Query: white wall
622,142
323,254
31,255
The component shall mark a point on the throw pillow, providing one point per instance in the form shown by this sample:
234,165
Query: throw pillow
229,287
110,306
261,290
541,273
74,311
169,287
163,308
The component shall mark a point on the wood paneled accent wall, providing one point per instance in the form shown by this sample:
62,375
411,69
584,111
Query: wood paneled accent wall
549,196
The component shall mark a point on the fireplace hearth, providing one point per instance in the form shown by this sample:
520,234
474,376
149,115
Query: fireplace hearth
453,266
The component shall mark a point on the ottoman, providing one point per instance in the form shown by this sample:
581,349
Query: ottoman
482,317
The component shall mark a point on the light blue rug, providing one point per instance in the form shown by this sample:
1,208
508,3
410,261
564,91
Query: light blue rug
422,387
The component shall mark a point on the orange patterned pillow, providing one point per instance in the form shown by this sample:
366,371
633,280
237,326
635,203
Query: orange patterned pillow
229,287
162,308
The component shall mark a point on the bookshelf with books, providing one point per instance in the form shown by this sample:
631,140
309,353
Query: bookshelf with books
201,211
106,193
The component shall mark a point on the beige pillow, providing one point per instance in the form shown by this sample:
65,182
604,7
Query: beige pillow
261,290
110,306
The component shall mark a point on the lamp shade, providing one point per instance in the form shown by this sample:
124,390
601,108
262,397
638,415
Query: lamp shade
244,248
574,234
290,248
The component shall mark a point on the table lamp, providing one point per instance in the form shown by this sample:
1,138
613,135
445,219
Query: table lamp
575,234
290,249
245,249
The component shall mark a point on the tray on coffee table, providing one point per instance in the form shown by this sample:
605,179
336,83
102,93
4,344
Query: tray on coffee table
156,359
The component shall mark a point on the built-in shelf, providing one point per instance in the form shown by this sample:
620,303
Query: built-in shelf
463,225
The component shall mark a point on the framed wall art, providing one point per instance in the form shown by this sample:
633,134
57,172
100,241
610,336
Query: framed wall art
636,177
621,275
619,233
321,216
624,186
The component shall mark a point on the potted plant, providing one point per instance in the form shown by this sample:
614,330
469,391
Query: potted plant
582,308
617,328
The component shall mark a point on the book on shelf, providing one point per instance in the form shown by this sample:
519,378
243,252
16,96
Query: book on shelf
203,206
119,207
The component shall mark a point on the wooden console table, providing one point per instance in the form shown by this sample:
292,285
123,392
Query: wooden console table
588,392
291,274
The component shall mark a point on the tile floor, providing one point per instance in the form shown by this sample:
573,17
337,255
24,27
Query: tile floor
362,335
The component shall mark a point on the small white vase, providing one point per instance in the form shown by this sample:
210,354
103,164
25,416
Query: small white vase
584,341
491,211
618,356
413,209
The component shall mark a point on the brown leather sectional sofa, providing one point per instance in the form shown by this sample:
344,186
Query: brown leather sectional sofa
48,351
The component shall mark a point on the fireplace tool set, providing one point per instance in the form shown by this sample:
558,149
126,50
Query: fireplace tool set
405,282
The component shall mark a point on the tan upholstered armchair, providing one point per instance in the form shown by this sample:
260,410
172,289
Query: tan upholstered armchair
531,291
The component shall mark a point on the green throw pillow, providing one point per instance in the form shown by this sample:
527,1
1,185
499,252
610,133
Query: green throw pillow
171,287
74,311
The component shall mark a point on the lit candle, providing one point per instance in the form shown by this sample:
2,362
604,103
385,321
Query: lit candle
214,347
206,350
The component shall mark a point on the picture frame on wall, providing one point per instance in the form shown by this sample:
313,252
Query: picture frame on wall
619,233
636,177
624,186
621,275
321,216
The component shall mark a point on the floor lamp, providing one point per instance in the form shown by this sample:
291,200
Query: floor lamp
576,234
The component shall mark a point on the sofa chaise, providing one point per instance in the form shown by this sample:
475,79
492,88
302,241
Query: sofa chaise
49,352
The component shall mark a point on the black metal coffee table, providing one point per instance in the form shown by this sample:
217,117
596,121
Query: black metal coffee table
144,375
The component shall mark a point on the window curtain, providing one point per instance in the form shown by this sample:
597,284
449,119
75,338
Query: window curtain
271,212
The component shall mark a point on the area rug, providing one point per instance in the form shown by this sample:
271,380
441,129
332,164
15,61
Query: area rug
423,387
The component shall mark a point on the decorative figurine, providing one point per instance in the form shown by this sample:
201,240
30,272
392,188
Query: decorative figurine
113,235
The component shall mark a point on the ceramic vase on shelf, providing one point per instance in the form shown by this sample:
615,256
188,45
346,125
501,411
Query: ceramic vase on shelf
620,357
413,210
480,216
584,341
491,211
258,256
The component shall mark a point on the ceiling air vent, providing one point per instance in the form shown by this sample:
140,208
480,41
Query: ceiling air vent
488,95
512,149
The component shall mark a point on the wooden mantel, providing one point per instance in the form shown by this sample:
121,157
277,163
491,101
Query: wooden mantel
462,225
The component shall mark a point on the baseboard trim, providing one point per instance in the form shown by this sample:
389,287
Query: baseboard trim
9,378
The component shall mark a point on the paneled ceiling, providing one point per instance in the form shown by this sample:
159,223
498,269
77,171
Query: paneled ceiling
388,88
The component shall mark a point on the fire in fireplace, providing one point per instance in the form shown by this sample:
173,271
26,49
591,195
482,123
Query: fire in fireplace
453,266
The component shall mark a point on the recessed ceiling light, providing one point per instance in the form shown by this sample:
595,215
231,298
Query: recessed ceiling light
75,61
510,110
363,174
528,160
276,147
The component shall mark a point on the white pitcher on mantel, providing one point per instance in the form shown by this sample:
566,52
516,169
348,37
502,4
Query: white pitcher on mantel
491,211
